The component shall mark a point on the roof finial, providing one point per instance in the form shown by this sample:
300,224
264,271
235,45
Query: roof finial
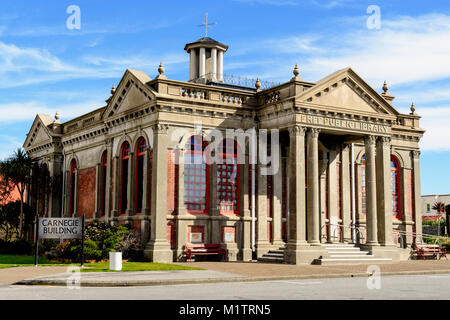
57,116
258,84
413,108
296,72
113,89
161,69
385,87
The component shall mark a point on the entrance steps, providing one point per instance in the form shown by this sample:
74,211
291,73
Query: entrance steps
347,253
273,256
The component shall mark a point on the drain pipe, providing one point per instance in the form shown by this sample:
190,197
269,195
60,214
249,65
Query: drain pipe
63,184
253,208
353,194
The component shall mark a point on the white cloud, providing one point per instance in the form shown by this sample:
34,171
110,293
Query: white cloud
12,112
436,122
403,51
24,66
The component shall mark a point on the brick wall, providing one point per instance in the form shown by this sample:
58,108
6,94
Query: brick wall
409,207
86,192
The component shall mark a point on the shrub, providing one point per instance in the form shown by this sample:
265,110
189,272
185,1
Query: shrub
101,238
15,247
71,250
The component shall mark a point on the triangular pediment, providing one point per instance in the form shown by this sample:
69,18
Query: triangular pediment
39,133
131,92
346,91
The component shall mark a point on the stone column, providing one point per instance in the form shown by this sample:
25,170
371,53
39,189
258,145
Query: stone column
346,192
98,191
262,242
215,224
116,187
202,61
109,184
158,248
131,183
245,213
417,196
193,65
332,195
313,186
323,165
213,64
277,198
297,208
371,192
146,205
220,65
384,191
181,224
75,193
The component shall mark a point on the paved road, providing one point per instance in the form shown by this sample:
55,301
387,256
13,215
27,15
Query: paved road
392,287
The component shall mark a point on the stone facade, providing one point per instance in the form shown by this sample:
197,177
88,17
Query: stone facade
348,163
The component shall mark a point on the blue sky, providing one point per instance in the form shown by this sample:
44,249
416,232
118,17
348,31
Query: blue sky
45,67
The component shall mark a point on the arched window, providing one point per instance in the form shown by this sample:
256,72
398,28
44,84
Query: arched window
103,171
196,176
140,164
395,180
72,200
125,158
228,188
363,184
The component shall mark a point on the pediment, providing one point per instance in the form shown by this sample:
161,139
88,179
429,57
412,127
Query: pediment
39,133
345,90
131,92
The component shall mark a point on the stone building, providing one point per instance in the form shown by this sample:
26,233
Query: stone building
347,163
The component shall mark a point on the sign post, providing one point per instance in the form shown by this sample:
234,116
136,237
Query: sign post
82,241
59,228
36,241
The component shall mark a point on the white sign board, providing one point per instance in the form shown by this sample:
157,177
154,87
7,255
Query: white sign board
60,228
228,237
196,237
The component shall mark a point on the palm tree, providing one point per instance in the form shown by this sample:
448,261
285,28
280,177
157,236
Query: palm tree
440,208
16,172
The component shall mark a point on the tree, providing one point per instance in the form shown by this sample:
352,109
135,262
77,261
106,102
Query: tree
440,209
16,171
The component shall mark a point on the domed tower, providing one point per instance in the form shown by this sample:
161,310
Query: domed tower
206,60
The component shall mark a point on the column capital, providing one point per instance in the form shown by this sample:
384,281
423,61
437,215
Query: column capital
384,140
160,128
416,154
297,130
313,132
369,140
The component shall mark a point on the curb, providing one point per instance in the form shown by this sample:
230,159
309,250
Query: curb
63,283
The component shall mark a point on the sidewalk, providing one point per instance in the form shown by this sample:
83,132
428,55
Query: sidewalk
220,272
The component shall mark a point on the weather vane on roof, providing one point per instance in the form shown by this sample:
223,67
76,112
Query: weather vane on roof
206,25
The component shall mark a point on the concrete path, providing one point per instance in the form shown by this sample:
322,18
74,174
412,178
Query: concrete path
12,275
229,272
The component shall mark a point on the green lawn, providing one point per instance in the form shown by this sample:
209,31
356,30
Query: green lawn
134,266
9,261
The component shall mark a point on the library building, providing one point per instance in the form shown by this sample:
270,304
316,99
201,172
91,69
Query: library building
299,172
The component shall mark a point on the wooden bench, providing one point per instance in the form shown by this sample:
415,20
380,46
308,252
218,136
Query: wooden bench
434,250
204,250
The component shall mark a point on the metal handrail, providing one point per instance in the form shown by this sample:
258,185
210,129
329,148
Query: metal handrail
421,235
358,231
